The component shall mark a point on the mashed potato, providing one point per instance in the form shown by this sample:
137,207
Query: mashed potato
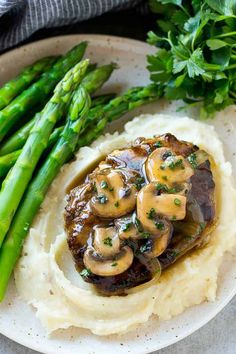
46,276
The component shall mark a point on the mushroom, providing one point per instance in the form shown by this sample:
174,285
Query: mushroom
108,267
150,205
126,228
115,192
106,241
163,165
155,246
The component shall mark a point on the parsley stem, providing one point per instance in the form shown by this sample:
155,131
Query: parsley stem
184,10
228,34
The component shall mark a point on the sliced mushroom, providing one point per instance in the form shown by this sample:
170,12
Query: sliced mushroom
115,192
108,267
106,241
126,228
164,166
159,244
149,204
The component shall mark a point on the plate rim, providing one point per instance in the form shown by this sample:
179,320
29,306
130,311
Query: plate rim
121,42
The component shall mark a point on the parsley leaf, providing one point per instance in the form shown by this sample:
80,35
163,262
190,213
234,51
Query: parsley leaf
196,57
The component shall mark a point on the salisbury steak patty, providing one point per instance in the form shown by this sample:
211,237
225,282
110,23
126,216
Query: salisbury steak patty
140,210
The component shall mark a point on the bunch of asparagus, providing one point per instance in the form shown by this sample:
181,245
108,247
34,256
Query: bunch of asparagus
31,156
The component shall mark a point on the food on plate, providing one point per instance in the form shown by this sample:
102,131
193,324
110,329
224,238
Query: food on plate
17,180
14,87
59,291
139,211
16,109
69,140
134,225
91,83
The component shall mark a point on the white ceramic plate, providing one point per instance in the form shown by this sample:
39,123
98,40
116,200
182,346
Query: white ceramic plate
17,320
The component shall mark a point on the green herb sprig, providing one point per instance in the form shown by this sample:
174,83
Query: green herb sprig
196,57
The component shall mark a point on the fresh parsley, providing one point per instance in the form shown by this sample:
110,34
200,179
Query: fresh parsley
107,241
102,199
196,57
85,272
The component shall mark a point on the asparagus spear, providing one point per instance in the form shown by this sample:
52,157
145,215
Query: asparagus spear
18,178
70,141
98,117
102,99
97,77
18,139
36,92
14,87
65,146
9,160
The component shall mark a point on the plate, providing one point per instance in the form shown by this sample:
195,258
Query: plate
17,319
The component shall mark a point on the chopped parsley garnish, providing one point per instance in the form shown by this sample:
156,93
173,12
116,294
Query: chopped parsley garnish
111,189
173,218
164,178
85,272
138,225
126,227
104,185
159,225
192,159
144,248
145,234
202,225
174,254
114,264
107,241
158,144
164,188
176,164
95,188
166,155
102,199
151,213
116,204
138,183
188,238
177,201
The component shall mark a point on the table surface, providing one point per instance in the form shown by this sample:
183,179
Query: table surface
218,336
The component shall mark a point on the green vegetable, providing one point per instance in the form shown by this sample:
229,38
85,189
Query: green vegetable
192,158
164,188
151,214
14,87
39,90
18,139
9,160
104,185
107,241
99,117
102,199
160,225
60,154
177,201
102,99
85,272
18,178
196,59
96,122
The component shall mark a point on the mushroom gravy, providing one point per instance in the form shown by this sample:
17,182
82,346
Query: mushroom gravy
139,211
